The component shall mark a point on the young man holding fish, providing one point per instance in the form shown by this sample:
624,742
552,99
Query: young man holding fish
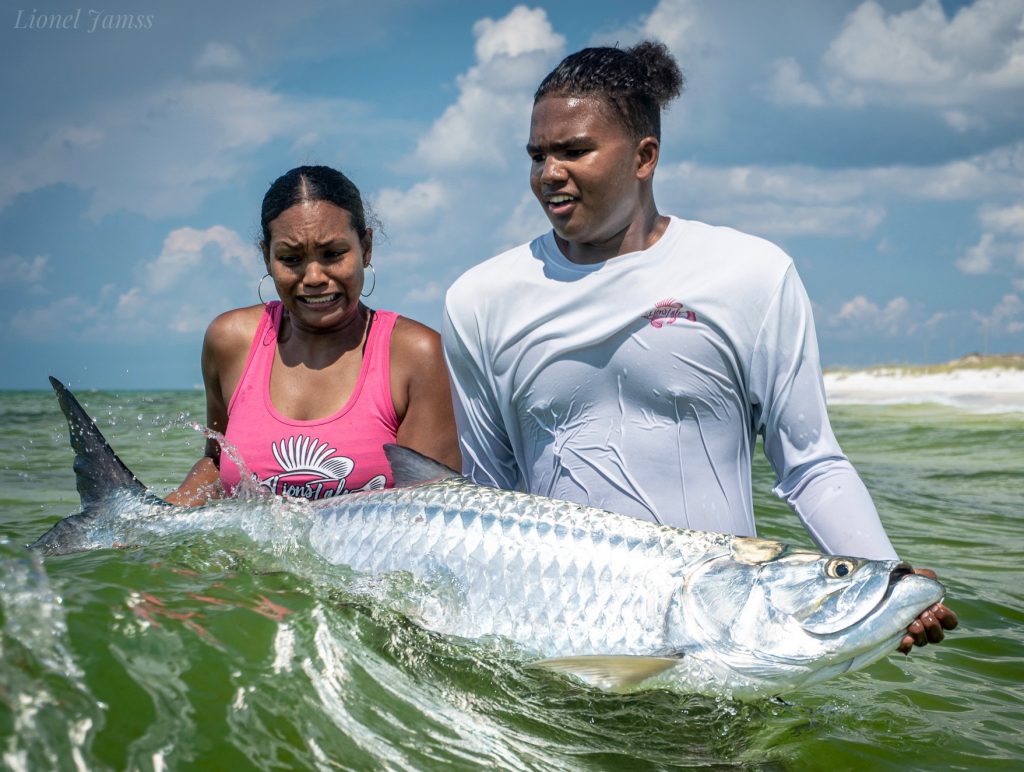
626,359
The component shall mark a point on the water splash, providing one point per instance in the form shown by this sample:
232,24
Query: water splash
249,487
47,713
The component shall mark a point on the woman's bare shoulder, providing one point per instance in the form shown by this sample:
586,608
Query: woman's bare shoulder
233,329
415,340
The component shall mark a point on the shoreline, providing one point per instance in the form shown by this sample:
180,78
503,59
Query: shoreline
966,362
990,384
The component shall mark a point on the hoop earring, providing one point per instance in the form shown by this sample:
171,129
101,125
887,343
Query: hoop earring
372,286
259,288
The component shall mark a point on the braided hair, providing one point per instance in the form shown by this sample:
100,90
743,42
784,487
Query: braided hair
637,82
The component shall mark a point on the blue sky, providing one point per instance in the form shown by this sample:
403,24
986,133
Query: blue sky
880,143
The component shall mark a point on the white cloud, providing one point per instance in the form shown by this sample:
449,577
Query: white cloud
15,269
990,174
979,258
219,56
523,31
779,220
189,318
1007,317
403,210
191,281
526,222
962,121
51,322
162,152
676,23
996,173
876,47
796,199
198,274
406,257
787,85
1005,220
489,120
188,251
770,201
918,56
935,321
860,315
1001,246
429,292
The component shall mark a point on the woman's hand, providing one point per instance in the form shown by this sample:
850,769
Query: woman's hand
201,484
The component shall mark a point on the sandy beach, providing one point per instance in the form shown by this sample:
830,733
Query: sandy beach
984,384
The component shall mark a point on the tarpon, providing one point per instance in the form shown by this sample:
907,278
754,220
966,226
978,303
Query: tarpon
616,601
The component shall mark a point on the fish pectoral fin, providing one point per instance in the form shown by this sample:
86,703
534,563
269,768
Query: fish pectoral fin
409,467
610,671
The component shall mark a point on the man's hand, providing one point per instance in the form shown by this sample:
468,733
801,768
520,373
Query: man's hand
930,626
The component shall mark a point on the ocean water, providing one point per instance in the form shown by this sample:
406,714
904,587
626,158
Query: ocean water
206,653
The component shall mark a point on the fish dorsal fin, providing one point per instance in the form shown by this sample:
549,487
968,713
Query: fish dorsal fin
98,470
610,671
408,467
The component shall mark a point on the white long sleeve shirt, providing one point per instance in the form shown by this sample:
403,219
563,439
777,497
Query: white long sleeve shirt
639,384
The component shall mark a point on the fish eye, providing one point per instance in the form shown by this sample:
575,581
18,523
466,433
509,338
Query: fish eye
837,568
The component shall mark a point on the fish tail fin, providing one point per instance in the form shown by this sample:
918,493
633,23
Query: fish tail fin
98,474
409,467
98,470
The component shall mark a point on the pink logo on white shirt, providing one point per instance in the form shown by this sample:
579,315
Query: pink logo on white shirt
667,312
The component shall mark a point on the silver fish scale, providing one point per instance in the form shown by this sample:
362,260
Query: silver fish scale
559,578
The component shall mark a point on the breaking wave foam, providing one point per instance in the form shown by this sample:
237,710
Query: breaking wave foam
981,391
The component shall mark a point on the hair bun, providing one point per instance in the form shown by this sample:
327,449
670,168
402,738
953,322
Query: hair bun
665,81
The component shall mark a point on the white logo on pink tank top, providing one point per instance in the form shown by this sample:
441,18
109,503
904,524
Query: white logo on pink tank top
311,470
667,312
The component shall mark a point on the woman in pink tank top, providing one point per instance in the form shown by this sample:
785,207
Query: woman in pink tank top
308,389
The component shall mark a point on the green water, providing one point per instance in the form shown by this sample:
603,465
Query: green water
192,655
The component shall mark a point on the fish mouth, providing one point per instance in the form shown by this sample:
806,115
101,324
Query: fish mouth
898,573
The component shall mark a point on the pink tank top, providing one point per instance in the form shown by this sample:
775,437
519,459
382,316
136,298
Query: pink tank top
324,457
